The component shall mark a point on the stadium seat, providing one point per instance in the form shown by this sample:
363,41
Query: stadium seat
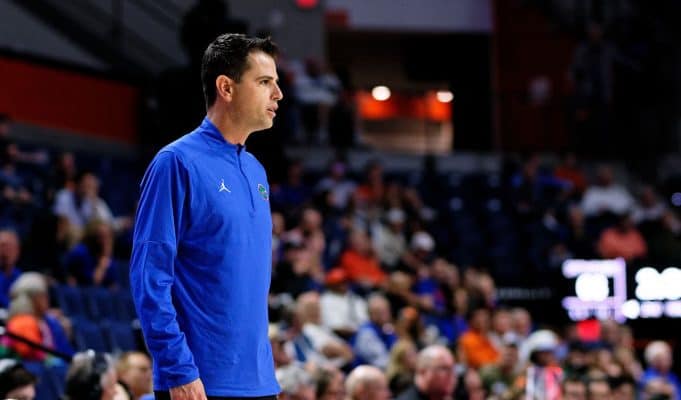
88,335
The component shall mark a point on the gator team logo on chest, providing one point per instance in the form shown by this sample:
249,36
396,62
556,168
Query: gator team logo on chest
263,192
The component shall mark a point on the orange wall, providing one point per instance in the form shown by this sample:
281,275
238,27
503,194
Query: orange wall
67,100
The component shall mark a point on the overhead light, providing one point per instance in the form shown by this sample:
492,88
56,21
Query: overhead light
444,96
380,93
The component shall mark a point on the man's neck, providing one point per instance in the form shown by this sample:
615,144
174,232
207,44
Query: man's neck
227,125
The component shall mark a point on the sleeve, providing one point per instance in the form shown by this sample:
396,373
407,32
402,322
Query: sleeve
370,347
157,231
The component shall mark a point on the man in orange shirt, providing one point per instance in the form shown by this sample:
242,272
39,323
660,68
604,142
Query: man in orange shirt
475,348
360,262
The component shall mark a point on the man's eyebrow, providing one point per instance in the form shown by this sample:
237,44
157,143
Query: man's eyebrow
267,77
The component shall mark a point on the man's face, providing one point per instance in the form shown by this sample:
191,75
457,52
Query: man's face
138,374
256,95
574,391
9,249
378,390
439,377
23,393
599,391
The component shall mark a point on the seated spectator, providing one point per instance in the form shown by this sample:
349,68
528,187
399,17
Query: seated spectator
16,382
296,383
90,263
9,272
570,171
293,274
79,207
598,389
360,262
366,382
401,366
134,374
498,378
573,389
472,386
501,328
622,240
92,376
649,207
606,196
375,338
658,355
316,343
389,239
435,377
371,191
343,311
340,188
29,318
475,347
330,384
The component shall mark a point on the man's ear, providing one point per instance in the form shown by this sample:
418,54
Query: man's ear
224,87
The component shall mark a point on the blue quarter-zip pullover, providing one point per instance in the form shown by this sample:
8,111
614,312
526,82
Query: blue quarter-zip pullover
201,266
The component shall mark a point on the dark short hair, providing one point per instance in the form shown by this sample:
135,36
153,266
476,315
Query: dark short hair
228,55
14,375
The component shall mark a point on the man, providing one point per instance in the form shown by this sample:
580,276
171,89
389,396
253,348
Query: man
296,383
201,260
316,343
375,338
366,382
134,373
574,389
435,377
9,254
16,382
92,376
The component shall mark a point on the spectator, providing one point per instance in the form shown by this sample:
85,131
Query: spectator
134,373
339,187
278,341
330,384
9,255
649,207
658,356
316,90
293,274
570,171
316,343
92,376
501,328
343,311
90,262
606,196
598,389
401,366
498,378
389,240
372,190
366,382
435,378
29,317
521,325
296,383
375,338
16,382
472,385
81,206
360,263
573,389
475,348
622,240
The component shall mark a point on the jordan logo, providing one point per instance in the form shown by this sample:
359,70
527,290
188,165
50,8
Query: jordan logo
223,188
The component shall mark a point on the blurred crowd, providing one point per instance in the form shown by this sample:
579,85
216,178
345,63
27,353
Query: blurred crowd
384,284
